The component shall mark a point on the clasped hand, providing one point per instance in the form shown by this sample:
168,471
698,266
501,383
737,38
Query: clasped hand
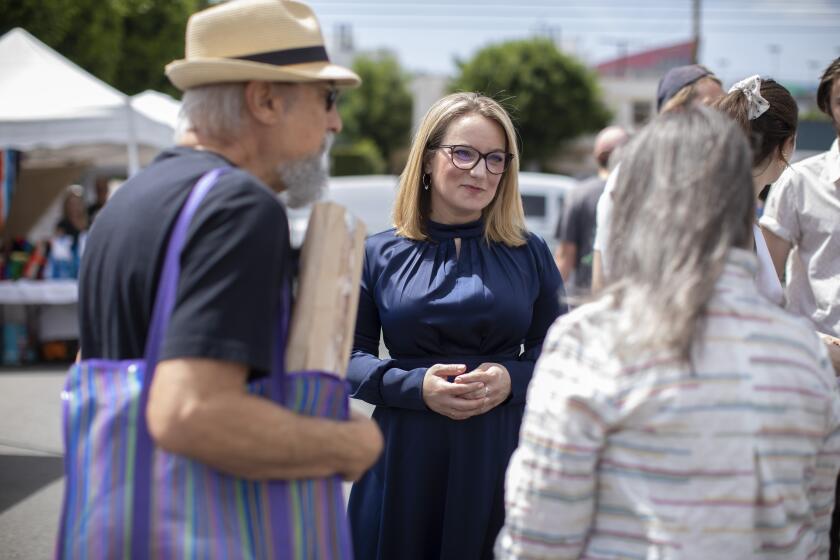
470,394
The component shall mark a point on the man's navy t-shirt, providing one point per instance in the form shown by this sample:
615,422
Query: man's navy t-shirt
234,266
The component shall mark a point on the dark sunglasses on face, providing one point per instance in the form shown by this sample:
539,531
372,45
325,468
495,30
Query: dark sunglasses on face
467,157
331,97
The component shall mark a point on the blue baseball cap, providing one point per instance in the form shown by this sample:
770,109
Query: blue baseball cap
677,78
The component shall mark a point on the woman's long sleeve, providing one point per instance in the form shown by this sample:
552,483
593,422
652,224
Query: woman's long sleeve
547,307
375,380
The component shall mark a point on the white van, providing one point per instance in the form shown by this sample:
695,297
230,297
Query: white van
543,197
371,198
368,197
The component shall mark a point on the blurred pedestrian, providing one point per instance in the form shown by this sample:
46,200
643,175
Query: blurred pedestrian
680,87
67,245
768,115
576,227
74,220
800,225
800,221
463,295
679,415
687,86
103,191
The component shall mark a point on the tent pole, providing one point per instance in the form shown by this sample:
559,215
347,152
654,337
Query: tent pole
131,144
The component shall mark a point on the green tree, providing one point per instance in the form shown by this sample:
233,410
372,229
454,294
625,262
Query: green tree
360,158
88,32
551,96
49,21
123,42
380,109
153,36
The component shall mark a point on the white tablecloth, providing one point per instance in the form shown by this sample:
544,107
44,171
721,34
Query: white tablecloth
37,292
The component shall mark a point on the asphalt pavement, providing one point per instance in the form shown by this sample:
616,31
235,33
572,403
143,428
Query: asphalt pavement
31,469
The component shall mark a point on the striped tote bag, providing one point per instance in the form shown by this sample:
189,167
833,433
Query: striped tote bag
125,498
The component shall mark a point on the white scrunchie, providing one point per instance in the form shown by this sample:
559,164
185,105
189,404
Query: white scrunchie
756,104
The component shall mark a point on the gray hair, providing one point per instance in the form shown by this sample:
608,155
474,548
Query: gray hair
215,110
684,197
218,110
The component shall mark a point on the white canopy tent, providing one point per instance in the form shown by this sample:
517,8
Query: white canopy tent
67,120
56,110
151,104
158,107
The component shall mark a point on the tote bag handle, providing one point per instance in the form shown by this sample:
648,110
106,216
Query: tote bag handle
164,304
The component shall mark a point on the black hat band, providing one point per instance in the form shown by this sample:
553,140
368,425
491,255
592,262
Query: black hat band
289,56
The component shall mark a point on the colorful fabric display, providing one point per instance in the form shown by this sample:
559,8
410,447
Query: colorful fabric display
9,162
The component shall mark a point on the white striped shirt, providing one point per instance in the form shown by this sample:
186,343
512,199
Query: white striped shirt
734,457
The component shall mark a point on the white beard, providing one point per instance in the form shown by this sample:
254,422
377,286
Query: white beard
306,179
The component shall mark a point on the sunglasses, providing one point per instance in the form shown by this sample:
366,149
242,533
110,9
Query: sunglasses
331,98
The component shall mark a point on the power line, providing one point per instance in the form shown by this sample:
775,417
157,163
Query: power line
767,6
642,21
769,16
414,22
658,4
413,19
786,17
646,26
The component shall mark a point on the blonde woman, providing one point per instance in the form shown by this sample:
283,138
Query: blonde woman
463,295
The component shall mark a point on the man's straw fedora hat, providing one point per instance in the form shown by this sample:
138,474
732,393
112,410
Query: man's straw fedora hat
243,40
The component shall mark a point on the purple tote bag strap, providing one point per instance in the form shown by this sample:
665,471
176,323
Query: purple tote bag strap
168,283
164,303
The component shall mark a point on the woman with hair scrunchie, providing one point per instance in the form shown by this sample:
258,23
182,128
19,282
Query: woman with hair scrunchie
768,115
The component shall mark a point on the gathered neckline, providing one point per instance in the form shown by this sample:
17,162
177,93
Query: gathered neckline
441,232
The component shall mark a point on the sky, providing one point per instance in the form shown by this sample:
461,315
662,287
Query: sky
790,40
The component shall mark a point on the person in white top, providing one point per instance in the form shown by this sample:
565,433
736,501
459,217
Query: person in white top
801,224
768,115
683,86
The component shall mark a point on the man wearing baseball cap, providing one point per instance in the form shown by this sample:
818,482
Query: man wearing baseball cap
681,86
260,98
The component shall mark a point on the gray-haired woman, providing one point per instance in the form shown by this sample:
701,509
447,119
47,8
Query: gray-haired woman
679,415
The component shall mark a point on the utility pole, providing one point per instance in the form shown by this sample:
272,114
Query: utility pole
622,50
550,32
776,50
695,30
343,47
622,53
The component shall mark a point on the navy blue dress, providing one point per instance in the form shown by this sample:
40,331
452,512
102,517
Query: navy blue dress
437,491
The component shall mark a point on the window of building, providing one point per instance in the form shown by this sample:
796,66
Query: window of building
641,112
